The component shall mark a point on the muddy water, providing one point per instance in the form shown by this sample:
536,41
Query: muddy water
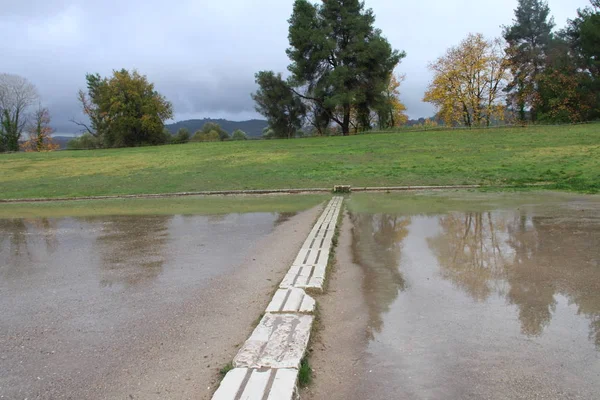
78,295
501,302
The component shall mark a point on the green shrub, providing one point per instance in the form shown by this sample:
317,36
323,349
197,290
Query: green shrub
182,136
212,136
84,142
239,135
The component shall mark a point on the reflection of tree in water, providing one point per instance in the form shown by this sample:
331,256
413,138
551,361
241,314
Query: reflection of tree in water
565,259
13,237
538,257
48,229
376,245
132,248
530,276
18,242
216,218
284,217
469,253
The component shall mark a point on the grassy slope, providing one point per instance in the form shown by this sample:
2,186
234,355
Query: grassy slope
567,157
212,205
441,202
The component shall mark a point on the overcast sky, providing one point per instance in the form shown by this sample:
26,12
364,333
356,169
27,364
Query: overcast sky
202,55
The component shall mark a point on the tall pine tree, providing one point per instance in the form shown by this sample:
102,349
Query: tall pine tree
528,39
339,59
276,100
583,35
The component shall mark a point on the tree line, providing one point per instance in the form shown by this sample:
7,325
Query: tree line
342,73
532,74
342,80
123,110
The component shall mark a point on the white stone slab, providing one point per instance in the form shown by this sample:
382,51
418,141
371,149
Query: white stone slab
312,257
255,384
284,385
231,384
319,240
290,278
315,284
309,268
328,218
291,300
329,214
319,272
323,228
279,341
309,278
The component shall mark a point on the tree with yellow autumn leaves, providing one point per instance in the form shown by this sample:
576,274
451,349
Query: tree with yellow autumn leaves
469,81
39,131
395,110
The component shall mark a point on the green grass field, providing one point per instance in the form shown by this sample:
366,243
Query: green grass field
429,202
206,205
561,157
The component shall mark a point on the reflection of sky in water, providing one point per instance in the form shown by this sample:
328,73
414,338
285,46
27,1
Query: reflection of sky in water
67,259
125,250
75,293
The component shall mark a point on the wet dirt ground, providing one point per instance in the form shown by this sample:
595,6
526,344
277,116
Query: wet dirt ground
134,307
495,297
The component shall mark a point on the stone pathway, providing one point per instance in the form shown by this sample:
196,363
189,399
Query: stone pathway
266,367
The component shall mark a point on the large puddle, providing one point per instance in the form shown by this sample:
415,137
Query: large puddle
486,297
77,293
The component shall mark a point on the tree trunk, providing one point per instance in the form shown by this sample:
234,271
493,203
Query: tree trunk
522,111
346,121
466,116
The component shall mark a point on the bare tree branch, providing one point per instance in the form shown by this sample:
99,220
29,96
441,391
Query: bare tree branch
17,95
85,127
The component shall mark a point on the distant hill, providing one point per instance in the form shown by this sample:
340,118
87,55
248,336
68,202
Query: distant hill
62,140
253,127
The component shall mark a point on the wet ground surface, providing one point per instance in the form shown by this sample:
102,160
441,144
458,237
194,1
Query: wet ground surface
494,297
82,298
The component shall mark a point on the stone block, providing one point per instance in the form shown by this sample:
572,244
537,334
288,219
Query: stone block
279,341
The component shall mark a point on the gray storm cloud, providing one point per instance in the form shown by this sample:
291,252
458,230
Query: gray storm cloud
203,55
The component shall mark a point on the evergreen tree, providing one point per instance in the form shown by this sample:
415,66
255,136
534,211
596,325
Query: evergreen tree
341,65
342,60
583,35
276,100
528,40
562,88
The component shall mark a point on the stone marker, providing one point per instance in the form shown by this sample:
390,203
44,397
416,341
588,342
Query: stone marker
342,189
